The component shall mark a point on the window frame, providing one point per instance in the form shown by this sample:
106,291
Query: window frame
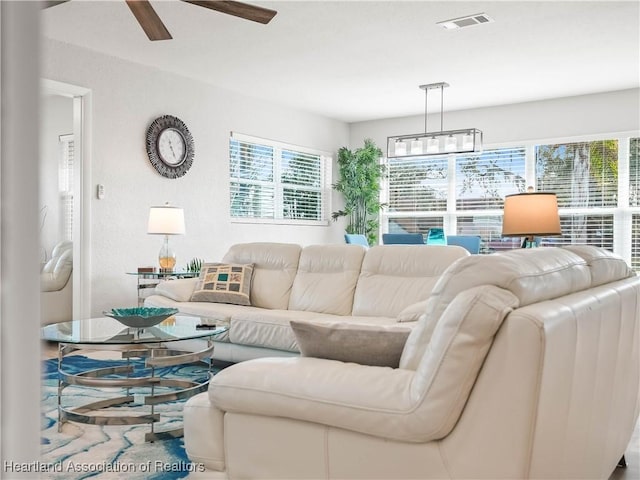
326,163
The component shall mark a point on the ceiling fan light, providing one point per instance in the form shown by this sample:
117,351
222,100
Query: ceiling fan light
400,148
416,147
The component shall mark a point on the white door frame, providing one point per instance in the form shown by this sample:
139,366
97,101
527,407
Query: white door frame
82,198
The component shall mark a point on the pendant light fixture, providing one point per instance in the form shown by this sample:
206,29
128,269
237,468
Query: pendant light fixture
467,140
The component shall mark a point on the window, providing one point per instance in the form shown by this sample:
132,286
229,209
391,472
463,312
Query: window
482,182
419,193
65,185
278,183
416,190
599,203
583,175
634,200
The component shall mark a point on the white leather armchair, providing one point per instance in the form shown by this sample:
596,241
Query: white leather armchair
56,285
525,365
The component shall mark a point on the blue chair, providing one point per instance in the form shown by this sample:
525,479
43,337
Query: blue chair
402,239
436,236
356,239
470,242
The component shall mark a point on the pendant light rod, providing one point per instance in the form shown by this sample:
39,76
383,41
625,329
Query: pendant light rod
433,86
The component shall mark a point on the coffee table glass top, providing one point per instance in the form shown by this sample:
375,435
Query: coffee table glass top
107,330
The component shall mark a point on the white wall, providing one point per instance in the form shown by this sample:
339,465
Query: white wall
126,98
20,367
610,112
56,118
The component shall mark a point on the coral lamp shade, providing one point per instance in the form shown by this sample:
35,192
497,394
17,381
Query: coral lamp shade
527,214
166,220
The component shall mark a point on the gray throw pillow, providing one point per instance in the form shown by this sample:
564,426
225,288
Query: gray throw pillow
377,345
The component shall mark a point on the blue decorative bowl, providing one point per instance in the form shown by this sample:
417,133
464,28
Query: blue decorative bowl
141,317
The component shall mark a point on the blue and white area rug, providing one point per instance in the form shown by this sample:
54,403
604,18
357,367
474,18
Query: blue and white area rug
83,451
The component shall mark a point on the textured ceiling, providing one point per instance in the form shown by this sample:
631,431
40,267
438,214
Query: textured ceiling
361,60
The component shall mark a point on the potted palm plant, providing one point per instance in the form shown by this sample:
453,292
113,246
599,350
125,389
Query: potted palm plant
360,173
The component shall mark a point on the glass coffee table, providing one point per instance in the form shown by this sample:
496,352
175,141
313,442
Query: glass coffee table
145,350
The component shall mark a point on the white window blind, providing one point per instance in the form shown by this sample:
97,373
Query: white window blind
482,181
634,200
582,175
65,185
417,185
635,243
273,182
634,172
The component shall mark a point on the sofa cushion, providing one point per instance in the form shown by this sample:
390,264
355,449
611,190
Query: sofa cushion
271,328
604,266
395,404
395,276
413,312
532,275
224,283
179,290
57,272
379,345
275,267
268,328
326,279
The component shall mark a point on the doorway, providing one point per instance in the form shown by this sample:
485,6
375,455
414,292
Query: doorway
69,212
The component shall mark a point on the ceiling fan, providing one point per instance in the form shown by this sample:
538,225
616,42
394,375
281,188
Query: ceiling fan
155,29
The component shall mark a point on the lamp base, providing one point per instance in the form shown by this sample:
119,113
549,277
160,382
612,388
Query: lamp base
529,242
166,257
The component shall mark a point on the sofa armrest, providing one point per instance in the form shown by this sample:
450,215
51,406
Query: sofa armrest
368,399
179,290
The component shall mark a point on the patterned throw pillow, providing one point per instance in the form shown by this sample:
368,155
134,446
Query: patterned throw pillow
224,283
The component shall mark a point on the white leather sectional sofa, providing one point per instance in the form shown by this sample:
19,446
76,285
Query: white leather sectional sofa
382,285
525,365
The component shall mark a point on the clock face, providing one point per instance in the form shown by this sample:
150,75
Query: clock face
170,146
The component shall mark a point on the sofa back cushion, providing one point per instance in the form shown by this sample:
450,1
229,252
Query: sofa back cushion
396,276
274,268
57,272
326,278
532,275
604,266
448,370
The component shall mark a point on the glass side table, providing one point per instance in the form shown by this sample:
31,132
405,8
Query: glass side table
147,281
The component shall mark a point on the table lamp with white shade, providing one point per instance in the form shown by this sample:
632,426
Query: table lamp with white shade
166,220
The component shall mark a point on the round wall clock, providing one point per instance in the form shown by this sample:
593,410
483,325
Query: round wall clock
170,146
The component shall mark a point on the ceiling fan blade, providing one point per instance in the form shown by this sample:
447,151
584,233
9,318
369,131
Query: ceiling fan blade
239,9
149,20
52,3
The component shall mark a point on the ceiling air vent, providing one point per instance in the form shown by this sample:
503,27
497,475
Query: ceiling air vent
467,21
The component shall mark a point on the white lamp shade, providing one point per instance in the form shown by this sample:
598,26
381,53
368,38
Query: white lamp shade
527,214
467,141
166,220
416,147
433,145
400,148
